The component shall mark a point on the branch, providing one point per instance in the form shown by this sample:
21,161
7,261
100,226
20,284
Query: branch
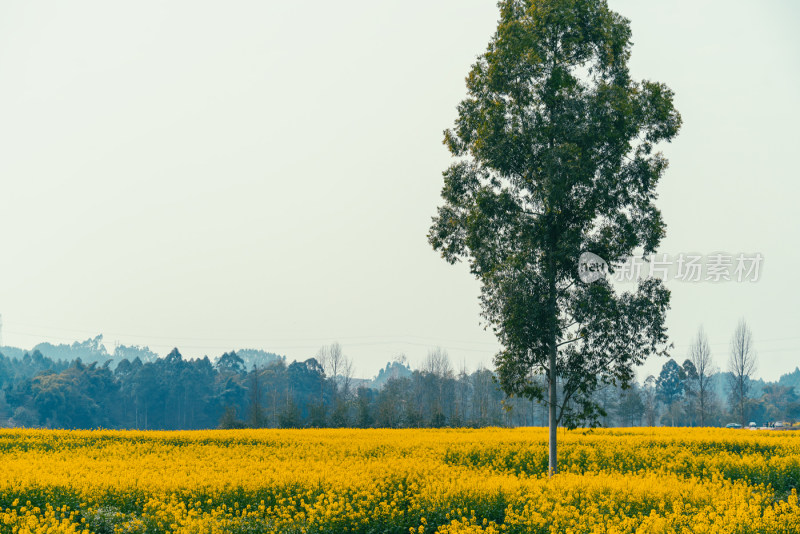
569,341
567,396
532,213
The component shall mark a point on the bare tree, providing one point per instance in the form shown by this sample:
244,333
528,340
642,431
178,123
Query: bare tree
742,365
438,380
345,375
481,396
462,388
257,416
337,366
700,356
438,363
650,400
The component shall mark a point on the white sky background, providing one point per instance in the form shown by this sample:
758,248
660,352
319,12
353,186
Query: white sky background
217,175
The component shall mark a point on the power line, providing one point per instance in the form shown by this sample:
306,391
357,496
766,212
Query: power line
386,341
241,340
292,340
308,343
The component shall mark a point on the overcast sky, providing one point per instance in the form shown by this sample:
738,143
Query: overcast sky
220,175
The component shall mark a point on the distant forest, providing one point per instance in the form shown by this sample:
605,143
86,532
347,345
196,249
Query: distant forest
83,386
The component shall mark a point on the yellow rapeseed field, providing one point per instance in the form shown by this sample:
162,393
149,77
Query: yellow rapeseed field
399,481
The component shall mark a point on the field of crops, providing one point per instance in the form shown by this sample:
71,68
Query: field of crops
399,481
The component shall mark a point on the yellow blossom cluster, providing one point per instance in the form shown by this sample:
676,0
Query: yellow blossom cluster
399,481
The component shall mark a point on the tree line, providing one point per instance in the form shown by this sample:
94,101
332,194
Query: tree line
177,393
697,393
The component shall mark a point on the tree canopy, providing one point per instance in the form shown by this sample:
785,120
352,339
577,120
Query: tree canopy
554,148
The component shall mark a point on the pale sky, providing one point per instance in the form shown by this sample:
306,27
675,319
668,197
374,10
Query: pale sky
221,175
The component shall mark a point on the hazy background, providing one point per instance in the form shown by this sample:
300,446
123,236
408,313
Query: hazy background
217,175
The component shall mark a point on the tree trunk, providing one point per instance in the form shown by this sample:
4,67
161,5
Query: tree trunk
553,451
702,408
741,402
552,376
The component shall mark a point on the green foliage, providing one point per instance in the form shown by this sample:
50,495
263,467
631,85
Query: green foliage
290,416
229,420
173,393
670,384
555,157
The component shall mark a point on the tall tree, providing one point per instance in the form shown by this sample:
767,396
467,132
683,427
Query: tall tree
257,417
700,356
555,157
670,387
650,400
337,367
438,383
631,408
690,401
742,365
